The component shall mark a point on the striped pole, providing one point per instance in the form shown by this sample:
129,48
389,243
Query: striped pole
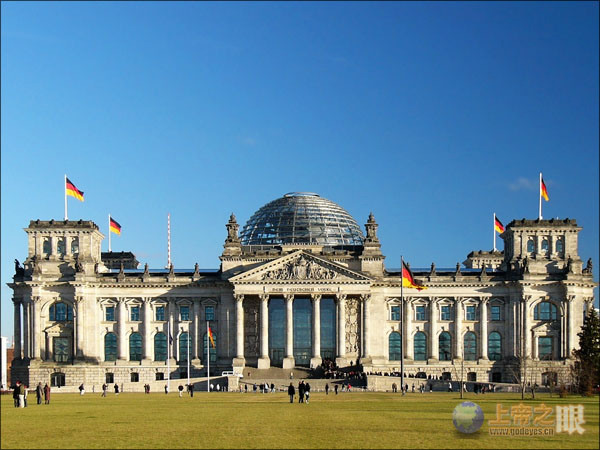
66,215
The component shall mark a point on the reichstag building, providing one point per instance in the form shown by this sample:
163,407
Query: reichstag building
299,283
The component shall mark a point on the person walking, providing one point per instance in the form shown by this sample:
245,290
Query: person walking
38,393
25,395
192,390
291,392
326,388
16,392
307,391
116,389
335,388
180,388
301,392
81,389
104,389
47,394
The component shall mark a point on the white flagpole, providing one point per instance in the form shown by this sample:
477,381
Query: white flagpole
540,196
66,216
109,233
494,231
207,357
188,359
402,324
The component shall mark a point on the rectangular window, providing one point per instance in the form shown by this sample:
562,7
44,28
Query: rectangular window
135,313
110,314
135,377
184,312
545,347
110,378
395,313
495,312
420,312
61,349
160,313
471,313
209,313
446,312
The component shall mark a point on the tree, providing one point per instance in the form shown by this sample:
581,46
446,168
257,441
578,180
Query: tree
586,368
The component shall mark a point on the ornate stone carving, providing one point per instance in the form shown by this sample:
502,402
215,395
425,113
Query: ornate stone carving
239,297
589,266
300,269
251,327
352,325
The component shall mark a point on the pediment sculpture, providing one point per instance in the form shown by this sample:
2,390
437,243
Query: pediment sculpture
300,269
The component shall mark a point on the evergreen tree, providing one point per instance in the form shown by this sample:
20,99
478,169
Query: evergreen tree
586,369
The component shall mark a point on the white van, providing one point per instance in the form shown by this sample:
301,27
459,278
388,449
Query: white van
231,373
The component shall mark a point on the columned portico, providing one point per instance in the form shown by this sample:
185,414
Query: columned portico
239,360
264,361
341,349
288,361
316,316
121,343
366,301
483,326
17,328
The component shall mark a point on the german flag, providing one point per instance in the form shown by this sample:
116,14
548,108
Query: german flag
210,336
73,191
543,190
408,279
498,225
115,227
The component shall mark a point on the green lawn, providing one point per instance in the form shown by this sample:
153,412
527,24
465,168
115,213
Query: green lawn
235,420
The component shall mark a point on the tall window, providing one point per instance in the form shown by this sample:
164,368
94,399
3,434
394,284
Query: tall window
110,314
530,246
160,313
75,246
184,313
183,347
446,312
545,311
420,346
209,312
395,313
110,347
470,346
61,246
47,246
559,245
471,312
61,312
61,349
135,347
135,313
495,312
445,345
545,347
495,346
420,312
160,347
212,350
545,245
395,341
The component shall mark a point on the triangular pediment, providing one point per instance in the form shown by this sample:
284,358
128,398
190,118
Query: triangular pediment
300,267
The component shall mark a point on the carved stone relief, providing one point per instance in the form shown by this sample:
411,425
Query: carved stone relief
353,320
300,269
251,327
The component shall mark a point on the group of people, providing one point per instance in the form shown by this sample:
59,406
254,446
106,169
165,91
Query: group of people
20,391
303,392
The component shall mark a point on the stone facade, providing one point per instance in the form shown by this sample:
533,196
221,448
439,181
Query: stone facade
87,320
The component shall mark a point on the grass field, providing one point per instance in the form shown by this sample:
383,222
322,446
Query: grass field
235,420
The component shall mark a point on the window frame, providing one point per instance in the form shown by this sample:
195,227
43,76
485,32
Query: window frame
495,313
160,308
134,313
421,313
395,313
468,310
445,313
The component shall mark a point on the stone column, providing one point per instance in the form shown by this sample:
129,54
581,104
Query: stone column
526,331
26,331
407,339
239,360
79,318
195,327
17,328
35,324
483,326
433,330
570,335
264,362
147,348
121,338
289,361
316,313
341,303
171,333
458,320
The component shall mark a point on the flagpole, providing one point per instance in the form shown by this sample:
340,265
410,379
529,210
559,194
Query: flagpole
207,357
494,231
109,233
540,196
66,215
402,324
188,360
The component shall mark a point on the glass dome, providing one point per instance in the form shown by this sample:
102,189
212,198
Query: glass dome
301,218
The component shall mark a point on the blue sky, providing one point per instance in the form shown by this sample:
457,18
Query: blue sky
432,115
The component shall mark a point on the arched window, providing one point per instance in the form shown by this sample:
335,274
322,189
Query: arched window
160,347
470,346
495,346
61,312
559,245
395,341
545,311
135,347
110,347
47,246
530,246
445,342
75,246
545,245
212,350
184,342
420,346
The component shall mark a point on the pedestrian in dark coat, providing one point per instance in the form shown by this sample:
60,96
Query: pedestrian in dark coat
301,392
307,391
38,393
47,394
326,388
116,389
291,392
336,389
16,394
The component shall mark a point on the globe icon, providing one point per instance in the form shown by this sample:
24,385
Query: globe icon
467,417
